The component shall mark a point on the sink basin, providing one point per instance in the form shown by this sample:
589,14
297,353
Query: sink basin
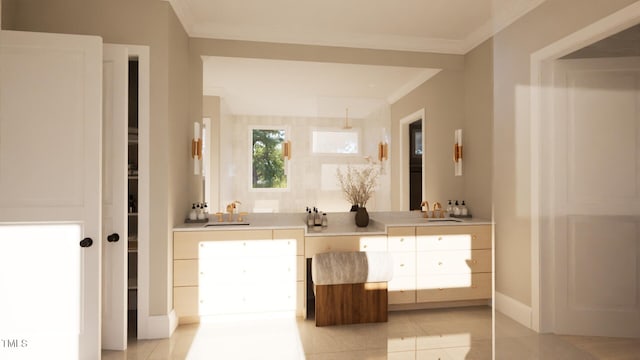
227,223
442,220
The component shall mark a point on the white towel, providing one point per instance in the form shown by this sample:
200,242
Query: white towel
334,268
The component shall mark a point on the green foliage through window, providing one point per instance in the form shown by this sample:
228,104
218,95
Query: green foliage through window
268,162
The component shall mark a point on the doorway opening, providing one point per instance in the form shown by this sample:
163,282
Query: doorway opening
132,209
560,228
415,165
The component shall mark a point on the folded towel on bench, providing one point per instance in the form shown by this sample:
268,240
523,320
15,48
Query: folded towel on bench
356,267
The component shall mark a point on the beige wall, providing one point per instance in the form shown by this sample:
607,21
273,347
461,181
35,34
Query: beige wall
451,100
442,98
141,22
478,130
513,46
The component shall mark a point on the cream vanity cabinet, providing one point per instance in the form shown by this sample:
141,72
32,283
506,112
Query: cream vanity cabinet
453,263
222,272
430,263
296,237
402,248
320,244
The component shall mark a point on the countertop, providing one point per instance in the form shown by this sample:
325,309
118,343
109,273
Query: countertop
339,223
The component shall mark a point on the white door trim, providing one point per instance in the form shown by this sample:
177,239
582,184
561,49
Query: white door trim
114,196
142,54
542,254
404,156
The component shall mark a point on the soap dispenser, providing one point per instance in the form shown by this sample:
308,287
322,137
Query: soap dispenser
463,209
309,217
456,209
200,211
449,208
193,215
206,210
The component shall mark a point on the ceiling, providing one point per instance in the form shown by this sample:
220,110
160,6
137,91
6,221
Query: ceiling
294,88
623,44
304,88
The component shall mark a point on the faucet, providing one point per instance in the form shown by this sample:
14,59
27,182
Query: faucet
231,208
425,205
437,210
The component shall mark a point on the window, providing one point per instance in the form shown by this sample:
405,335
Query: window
268,165
335,142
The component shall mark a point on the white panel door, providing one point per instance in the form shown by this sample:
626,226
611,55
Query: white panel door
114,196
50,175
597,197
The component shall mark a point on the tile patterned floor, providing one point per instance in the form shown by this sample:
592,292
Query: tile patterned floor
445,334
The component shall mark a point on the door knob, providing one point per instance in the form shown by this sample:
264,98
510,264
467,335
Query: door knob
113,237
86,242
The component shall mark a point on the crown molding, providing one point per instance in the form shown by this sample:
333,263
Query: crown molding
184,13
503,17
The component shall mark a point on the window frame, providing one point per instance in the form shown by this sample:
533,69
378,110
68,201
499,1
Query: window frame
287,173
357,131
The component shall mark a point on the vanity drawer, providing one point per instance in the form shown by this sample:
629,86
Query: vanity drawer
404,264
246,270
454,287
436,238
296,235
185,301
454,262
402,283
262,297
402,239
185,273
373,243
320,244
186,243
401,296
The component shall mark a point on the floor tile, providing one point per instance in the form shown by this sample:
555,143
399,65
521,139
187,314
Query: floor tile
444,334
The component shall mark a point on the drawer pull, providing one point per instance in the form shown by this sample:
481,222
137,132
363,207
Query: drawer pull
401,239
365,246
474,261
474,286
401,265
474,237
440,289
439,263
439,238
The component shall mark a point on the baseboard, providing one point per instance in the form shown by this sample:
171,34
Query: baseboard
513,309
438,305
160,326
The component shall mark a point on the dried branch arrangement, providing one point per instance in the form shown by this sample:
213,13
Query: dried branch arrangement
358,184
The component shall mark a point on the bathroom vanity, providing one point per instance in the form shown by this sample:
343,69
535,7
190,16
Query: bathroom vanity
261,266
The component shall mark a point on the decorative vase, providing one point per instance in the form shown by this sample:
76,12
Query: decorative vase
362,217
354,208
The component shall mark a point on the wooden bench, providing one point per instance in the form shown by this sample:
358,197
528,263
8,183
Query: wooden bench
351,287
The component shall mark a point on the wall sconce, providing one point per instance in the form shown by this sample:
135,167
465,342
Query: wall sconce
286,150
383,151
196,148
457,152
